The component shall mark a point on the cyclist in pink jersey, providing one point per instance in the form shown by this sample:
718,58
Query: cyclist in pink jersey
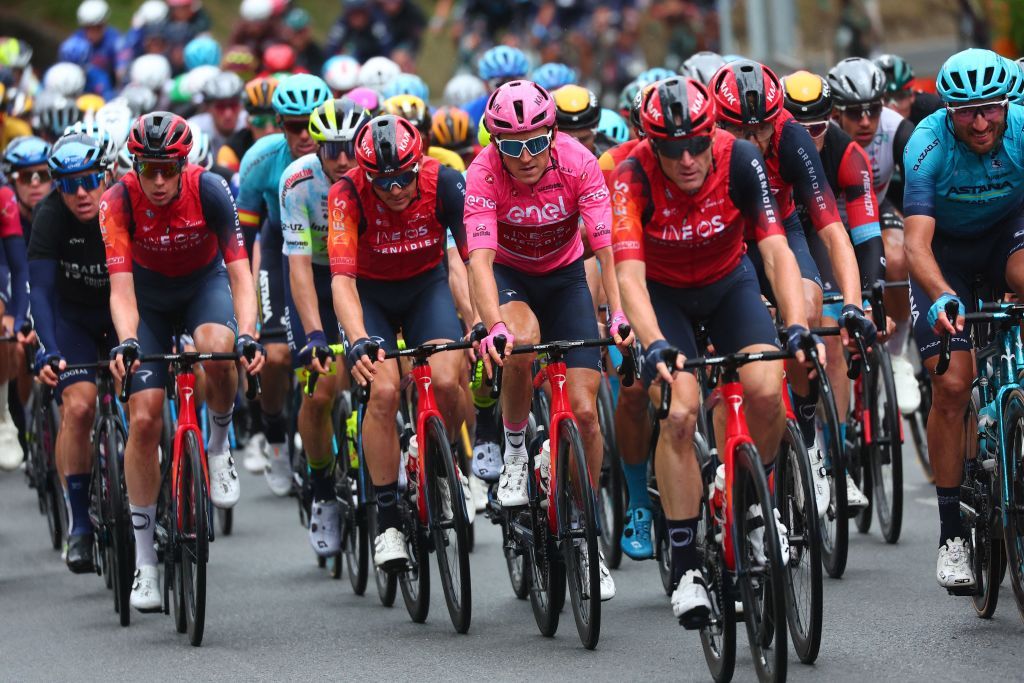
525,196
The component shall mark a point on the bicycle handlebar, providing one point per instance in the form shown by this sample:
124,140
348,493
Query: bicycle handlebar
187,358
874,295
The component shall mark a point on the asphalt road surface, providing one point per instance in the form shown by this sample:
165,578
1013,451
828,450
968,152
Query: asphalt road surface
272,614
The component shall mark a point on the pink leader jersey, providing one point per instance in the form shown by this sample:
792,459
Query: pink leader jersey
535,228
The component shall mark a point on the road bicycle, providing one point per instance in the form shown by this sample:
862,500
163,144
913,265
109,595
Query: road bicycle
41,466
433,505
184,528
557,531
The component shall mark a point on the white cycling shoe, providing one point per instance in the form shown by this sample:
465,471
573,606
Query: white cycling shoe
478,491
224,487
325,527
756,535
604,576
255,460
819,481
953,569
278,472
487,460
690,602
11,455
855,498
908,391
389,551
146,595
512,489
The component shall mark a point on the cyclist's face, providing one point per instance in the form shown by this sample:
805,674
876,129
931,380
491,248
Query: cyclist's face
397,199
984,130
338,166
30,191
688,172
526,168
225,115
587,138
860,121
901,102
159,189
296,132
84,204
262,124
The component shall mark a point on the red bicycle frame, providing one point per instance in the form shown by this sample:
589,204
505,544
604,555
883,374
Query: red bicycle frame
185,388
426,407
560,410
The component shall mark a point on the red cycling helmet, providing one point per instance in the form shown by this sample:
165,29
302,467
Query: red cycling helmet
280,57
676,108
160,135
388,145
746,93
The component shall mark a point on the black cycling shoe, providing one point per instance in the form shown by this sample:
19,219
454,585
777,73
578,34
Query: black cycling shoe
80,554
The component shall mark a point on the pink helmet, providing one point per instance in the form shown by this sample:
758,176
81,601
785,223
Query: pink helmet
518,107
366,98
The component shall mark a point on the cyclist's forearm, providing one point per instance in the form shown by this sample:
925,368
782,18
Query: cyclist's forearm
347,307
300,276
458,282
636,301
784,275
485,289
844,262
124,310
43,294
243,294
918,234
608,278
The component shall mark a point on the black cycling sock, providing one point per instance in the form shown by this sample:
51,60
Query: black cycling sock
17,411
950,526
486,426
255,417
275,428
322,482
682,538
387,507
805,411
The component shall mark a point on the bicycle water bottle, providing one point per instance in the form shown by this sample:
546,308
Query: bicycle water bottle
542,471
718,501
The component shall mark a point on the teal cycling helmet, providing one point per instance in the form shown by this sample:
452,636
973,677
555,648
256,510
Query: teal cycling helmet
613,126
973,74
24,152
898,73
406,84
76,153
300,94
627,96
502,62
653,75
200,51
1016,90
553,75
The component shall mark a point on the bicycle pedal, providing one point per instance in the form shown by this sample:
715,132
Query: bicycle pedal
695,619
961,591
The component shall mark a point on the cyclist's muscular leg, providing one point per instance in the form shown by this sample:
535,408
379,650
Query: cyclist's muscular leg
78,409
632,427
315,425
274,378
517,379
448,377
583,384
836,371
141,467
221,378
675,463
380,439
950,394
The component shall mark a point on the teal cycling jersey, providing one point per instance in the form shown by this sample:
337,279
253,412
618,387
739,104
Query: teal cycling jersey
303,191
966,193
261,171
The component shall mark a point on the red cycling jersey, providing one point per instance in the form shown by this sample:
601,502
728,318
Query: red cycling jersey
615,156
174,240
367,240
10,218
691,240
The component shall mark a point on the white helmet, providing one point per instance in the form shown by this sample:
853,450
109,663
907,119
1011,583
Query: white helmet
125,161
341,72
378,72
65,78
200,153
100,135
463,89
151,71
256,10
93,13
192,82
150,12
116,118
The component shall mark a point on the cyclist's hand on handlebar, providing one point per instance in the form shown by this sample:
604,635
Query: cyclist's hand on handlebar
796,341
130,346
476,336
488,352
854,320
360,361
253,366
655,357
615,326
310,355
45,364
937,315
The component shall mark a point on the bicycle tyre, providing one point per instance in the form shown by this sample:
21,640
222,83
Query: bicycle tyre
860,469
449,535
415,580
612,493
918,422
387,584
886,450
794,497
547,577
354,539
577,534
195,546
835,539
119,522
764,599
515,562
1011,481
53,491
981,519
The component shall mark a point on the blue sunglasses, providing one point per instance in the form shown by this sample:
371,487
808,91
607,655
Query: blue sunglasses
87,182
402,180
514,148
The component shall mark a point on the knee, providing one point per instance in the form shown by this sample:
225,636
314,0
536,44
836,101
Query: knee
764,401
384,397
586,416
446,388
950,392
78,410
146,424
318,403
680,424
278,355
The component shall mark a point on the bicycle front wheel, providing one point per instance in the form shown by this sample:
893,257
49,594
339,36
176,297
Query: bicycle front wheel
194,508
354,538
415,580
118,520
759,566
387,583
449,526
794,498
981,518
611,485
834,526
1011,480
577,533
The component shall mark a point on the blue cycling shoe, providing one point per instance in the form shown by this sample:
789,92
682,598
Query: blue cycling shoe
636,535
